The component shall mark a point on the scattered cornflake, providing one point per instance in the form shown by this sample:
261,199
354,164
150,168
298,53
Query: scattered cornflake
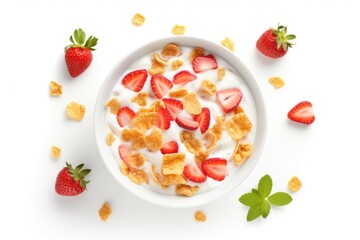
191,104
55,89
105,211
178,93
144,120
178,29
186,190
200,157
277,82
241,152
171,50
173,180
221,73
156,176
138,20
220,120
124,169
173,163
135,136
136,160
140,99
208,86
138,177
193,145
110,138
228,43
196,52
186,135
158,60
156,70
154,141
238,109
294,184
114,105
75,111
55,152
176,64
216,130
238,126
200,216
210,141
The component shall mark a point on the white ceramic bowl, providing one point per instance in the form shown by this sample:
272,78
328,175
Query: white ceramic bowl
172,200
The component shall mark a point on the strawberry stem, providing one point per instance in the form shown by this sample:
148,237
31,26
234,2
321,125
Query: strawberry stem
78,174
282,39
78,39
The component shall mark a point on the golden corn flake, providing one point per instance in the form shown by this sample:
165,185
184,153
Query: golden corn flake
75,111
200,216
127,134
221,73
193,145
238,109
156,176
114,105
144,120
176,64
178,29
171,50
228,43
156,70
138,140
277,82
157,60
178,93
200,157
238,126
154,107
216,130
241,152
138,20
124,169
154,141
173,180
210,141
140,99
294,184
136,160
208,86
55,152
186,135
173,163
191,104
220,120
104,211
138,177
110,139
196,52
186,190
55,89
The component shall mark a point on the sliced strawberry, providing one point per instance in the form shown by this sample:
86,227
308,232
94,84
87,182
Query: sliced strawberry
135,80
124,153
124,116
229,98
194,174
303,113
183,77
163,120
215,168
210,56
170,147
187,123
160,85
203,119
173,106
201,64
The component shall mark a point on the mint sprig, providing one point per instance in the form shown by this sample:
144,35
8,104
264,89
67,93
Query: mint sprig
259,199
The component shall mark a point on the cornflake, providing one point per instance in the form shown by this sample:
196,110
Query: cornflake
173,180
154,141
208,86
178,29
241,152
186,135
216,131
157,60
186,190
55,89
176,64
238,126
156,176
138,177
238,109
144,120
294,184
138,20
136,160
191,104
114,105
196,52
277,82
200,216
171,50
193,145
124,169
210,141
178,93
173,163
110,139
75,111
228,43
140,99
55,152
220,121
200,157
104,211
135,136
154,70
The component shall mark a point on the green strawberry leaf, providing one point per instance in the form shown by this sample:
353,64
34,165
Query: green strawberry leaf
265,186
250,199
265,208
280,199
254,212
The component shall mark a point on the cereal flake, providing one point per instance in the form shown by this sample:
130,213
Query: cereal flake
136,160
144,120
186,135
154,141
140,99
186,190
191,104
178,93
178,29
176,64
221,73
241,153
228,43
238,126
294,184
138,177
75,111
238,109
193,145
200,216
138,20
55,152
277,82
110,139
104,211
210,141
124,169
196,52
173,163
208,86
114,105
171,50
200,157
55,88
172,179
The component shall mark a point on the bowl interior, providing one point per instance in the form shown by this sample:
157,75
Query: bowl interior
166,199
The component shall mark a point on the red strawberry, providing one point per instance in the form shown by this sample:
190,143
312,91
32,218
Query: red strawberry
70,181
214,168
160,85
124,153
173,106
170,147
187,123
194,174
201,64
124,116
303,113
78,56
229,98
163,120
184,77
274,43
203,119
135,80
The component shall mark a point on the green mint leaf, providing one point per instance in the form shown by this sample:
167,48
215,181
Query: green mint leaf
265,208
250,199
265,186
280,199
254,191
254,212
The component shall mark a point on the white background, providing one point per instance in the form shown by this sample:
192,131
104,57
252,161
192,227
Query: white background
322,68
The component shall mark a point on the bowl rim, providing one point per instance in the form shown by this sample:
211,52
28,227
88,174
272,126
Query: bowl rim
152,196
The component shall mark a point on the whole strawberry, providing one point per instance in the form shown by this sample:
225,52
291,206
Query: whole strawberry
274,43
78,56
70,181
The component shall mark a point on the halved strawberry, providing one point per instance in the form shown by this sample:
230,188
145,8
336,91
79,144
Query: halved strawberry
201,64
170,147
203,119
124,153
303,113
160,85
229,98
163,120
183,77
187,123
135,80
173,106
194,173
215,168
124,116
